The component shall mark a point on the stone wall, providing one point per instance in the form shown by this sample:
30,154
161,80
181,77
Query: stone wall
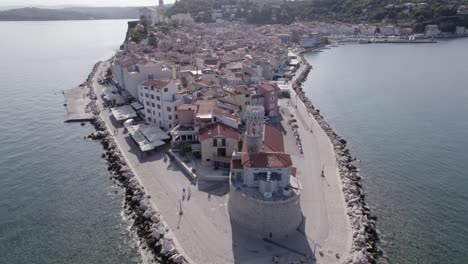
262,217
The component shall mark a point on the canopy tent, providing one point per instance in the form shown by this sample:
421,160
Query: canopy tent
148,137
123,113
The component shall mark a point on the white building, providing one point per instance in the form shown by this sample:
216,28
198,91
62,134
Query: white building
310,41
460,31
432,31
387,30
128,73
161,100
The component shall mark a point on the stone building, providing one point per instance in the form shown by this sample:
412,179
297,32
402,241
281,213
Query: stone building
264,193
218,142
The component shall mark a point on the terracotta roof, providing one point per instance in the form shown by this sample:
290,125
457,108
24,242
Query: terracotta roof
272,139
266,87
266,160
158,84
219,129
205,107
236,164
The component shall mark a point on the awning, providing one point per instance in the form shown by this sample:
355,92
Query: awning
123,113
148,137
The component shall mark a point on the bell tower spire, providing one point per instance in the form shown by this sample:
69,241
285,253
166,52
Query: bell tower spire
254,133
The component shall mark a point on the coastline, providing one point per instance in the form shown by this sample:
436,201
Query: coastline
365,237
154,233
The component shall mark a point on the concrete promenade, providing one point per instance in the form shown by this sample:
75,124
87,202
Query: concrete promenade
76,101
205,233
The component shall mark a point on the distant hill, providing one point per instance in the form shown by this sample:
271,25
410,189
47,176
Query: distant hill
446,13
108,12
69,13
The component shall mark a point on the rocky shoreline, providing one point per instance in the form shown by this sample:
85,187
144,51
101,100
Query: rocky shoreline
149,225
365,240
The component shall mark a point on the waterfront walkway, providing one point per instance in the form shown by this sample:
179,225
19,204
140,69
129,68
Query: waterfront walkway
75,102
205,233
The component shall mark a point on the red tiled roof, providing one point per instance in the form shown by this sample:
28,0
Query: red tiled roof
272,139
266,87
219,129
236,164
158,84
266,160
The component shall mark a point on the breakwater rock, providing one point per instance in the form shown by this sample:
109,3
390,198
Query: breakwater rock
365,248
151,229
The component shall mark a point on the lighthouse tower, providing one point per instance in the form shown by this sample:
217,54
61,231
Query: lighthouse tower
254,134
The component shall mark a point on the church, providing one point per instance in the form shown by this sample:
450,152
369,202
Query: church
153,14
264,195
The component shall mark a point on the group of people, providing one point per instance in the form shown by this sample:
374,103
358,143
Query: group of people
189,193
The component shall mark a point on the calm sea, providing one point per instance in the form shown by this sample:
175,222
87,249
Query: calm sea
57,204
404,111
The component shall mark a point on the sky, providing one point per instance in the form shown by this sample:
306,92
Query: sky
81,2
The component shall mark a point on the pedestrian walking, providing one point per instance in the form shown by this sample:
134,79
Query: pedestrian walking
189,193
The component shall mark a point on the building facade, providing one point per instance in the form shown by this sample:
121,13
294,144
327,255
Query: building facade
218,142
160,100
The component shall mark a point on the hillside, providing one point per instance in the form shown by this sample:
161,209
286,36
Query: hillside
416,13
71,13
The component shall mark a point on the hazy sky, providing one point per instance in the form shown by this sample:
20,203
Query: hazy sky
81,2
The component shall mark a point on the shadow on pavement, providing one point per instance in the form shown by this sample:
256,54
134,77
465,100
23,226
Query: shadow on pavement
249,249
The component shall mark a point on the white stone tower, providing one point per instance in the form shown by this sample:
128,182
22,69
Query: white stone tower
254,134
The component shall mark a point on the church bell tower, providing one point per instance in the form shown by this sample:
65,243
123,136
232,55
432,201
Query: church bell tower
254,134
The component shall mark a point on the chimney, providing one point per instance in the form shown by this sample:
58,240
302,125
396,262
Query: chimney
161,3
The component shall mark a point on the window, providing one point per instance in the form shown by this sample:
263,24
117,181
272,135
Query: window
154,113
272,98
176,117
152,96
215,143
168,109
158,98
255,176
159,106
148,111
146,95
153,105
170,117
149,119
147,103
170,126
165,90
159,114
223,142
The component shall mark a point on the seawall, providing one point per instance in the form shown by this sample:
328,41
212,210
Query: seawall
151,228
365,247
